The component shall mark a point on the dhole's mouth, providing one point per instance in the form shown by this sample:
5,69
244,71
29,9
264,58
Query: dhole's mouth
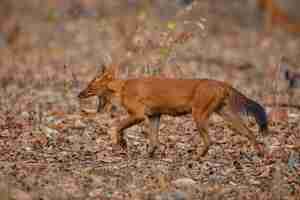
84,94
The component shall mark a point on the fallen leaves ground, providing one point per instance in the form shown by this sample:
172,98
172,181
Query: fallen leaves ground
50,151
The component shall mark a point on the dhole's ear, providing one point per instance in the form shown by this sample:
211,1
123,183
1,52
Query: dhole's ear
101,69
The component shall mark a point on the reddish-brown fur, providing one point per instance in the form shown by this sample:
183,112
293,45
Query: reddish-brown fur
149,98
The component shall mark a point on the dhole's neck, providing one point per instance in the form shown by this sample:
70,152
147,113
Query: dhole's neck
115,86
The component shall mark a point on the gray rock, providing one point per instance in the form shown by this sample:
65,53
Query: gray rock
184,182
174,195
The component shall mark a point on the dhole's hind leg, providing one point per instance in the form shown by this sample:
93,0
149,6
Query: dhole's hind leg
201,112
118,134
237,123
153,134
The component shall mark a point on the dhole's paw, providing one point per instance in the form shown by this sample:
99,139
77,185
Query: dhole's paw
151,150
197,154
117,139
261,149
201,153
198,157
123,144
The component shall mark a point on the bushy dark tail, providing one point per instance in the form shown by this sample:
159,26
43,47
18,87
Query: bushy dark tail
246,106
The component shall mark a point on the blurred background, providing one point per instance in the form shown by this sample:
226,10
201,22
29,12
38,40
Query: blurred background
49,34
59,45
51,49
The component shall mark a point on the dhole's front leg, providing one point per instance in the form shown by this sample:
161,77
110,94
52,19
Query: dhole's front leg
118,133
153,134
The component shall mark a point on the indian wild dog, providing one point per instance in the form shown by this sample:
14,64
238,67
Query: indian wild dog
151,97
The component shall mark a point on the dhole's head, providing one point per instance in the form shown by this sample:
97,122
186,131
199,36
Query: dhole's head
98,86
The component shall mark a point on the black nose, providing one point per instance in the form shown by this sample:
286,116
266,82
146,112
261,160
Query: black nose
81,95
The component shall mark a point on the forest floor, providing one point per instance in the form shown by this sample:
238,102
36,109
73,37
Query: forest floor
49,150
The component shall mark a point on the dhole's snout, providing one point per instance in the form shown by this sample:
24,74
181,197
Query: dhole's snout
84,94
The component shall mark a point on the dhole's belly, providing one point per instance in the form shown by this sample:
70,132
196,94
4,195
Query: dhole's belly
168,109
